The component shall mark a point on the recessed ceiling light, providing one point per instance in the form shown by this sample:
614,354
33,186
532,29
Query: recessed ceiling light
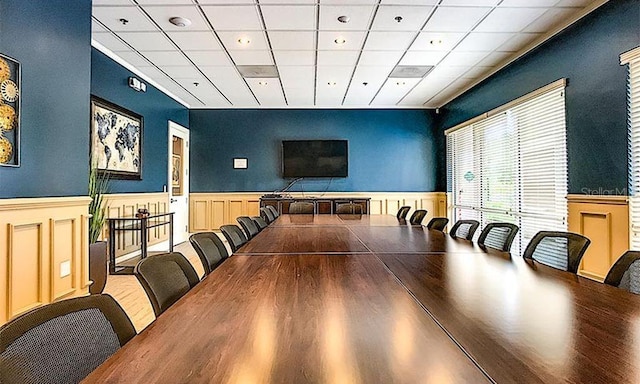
180,21
435,42
344,19
263,83
244,40
340,40
331,83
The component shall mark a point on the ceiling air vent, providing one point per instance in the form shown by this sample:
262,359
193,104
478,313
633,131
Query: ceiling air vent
410,71
258,71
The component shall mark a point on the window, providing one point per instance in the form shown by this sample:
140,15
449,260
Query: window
510,165
632,58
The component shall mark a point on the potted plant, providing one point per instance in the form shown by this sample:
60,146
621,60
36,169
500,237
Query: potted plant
98,187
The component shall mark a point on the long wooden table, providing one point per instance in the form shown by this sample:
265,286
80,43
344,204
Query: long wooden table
348,299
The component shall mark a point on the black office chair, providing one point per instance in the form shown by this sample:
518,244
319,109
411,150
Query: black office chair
349,209
273,210
560,250
165,278
259,222
267,215
402,212
301,207
438,223
498,236
210,249
234,235
464,229
250,227
62,342
625,273
417,217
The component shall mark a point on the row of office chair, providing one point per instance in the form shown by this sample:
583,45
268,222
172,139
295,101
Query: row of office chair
415,219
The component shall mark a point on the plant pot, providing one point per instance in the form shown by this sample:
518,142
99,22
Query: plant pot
97,266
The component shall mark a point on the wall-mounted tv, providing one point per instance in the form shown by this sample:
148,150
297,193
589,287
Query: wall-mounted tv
315,158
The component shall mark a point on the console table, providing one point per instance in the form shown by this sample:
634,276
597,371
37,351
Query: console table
322,205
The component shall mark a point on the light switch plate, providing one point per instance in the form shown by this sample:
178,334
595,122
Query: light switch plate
65,268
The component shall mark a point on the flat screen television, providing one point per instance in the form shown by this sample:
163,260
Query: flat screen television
315,158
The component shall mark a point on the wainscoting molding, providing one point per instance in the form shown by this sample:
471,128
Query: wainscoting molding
126,205
605,221
43,252
208,211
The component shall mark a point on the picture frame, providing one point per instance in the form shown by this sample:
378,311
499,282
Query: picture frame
116,140
176,171
10,111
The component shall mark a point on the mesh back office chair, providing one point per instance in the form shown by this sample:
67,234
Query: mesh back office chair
165,278
300,207
560,250
417,217
438,223
498,236
64,341
273,210
259,222
250,227
210,249
267,215
402,212
625,273
349,209
234,236
464,229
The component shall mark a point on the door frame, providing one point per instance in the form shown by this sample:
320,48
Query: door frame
175,127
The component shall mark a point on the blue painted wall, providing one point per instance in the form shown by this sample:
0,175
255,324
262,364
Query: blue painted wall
109,80
389,150
52,41
588,55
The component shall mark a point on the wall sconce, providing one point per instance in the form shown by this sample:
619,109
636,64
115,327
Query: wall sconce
137,85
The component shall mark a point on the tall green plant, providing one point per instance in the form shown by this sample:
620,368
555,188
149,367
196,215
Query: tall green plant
98,187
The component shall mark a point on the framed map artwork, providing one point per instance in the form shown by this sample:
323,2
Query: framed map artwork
116,140
9,112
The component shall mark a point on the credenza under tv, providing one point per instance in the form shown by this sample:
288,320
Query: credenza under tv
322,205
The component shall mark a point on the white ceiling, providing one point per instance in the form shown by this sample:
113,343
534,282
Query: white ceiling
298,36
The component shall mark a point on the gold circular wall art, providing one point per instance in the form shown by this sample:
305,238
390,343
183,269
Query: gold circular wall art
5,71
9,91
6,150
7,117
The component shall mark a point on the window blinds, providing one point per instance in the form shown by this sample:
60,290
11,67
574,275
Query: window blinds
511,166
633,120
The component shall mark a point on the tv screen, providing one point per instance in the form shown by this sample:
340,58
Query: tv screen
314,158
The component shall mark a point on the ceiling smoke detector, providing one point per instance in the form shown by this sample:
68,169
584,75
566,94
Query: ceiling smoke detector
398,18
344,19
123,21
180,21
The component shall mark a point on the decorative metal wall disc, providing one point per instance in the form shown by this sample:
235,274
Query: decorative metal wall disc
6,150
9,91
5,71
7,117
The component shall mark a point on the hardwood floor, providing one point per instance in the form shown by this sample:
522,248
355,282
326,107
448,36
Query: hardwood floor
129,293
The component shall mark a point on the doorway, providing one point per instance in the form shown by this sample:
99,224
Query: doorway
178,184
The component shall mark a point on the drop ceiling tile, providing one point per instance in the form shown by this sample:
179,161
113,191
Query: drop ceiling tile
234,18
359,17
289,17
389,41
164,2
227,2
528,3
299,97
519,41
97,3
409,2
96,27
208,58
393,90
110,41
360,93
353,40
425,90
479,41
357,2
136,20
231,84
331,84
297,77
573,3
268,92
493,59
155,74
476,72
550,19
413,18
470,3
380,58
133,58
204,91
182,72
449,71
337,57
423,57
147,41
195,40
455,19
251,57
436,41
509,19
294,58
458,58
451,90
298,2
166,58
288,41
256,38
162,14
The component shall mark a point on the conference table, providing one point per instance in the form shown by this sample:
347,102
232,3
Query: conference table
369,299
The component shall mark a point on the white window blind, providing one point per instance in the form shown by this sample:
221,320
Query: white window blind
511,165
633,120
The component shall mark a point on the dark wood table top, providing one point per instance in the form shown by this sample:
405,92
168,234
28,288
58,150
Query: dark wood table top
327,301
